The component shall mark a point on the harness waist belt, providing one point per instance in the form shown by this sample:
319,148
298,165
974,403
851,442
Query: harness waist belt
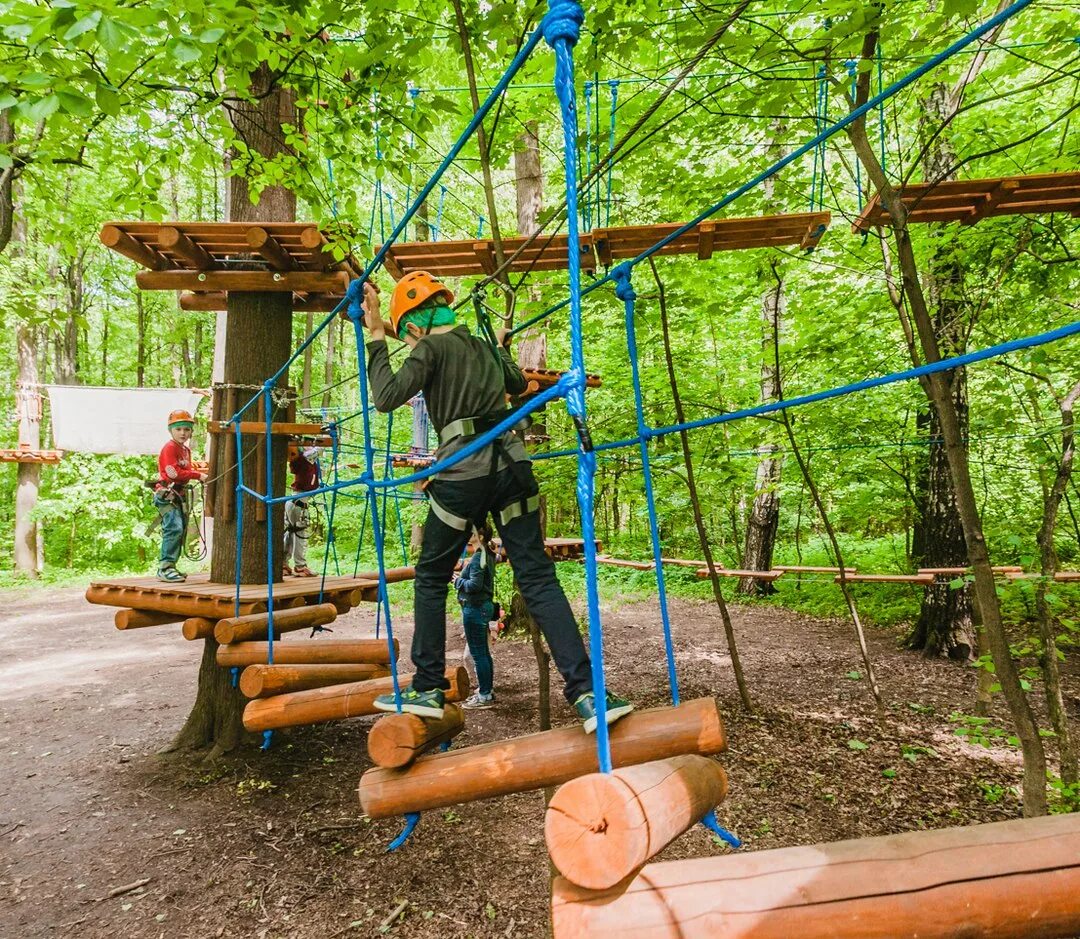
470,426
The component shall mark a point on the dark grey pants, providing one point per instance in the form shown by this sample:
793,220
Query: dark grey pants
535,572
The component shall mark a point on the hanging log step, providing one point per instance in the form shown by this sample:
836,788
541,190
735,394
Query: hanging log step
398,739
603,827
262,681
243,628
1009,880
140,619
549,758
335,702
307,652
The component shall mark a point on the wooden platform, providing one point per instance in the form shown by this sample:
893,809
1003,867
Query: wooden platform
605,246
199,597
26,455
208,259
969,200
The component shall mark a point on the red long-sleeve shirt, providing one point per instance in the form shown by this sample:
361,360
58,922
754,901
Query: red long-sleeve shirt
174,464
305,474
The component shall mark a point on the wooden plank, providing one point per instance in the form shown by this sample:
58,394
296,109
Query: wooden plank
809,569
26,455
277,428
619,562
256,281
212,301
122,243
766,576
175,241
986,205
483,252
259,239
706,233
924,579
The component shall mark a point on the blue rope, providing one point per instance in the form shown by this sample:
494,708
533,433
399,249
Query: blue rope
268,415
411,820
710,822
561,28
439,212
587,208
624,290
853,75
613,85
479,225
848,119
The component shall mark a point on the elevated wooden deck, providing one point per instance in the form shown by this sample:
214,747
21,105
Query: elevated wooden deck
969,200
208,259
26,455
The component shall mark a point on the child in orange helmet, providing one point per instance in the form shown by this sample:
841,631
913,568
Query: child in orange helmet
465,382
175,471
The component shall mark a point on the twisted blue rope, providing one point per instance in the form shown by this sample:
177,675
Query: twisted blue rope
613,85
561,27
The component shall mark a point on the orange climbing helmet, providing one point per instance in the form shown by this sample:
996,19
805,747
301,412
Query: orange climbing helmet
411,291
180,417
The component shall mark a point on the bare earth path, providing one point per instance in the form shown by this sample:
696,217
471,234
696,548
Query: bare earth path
273,845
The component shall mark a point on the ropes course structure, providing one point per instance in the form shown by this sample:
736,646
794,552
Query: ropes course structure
687,729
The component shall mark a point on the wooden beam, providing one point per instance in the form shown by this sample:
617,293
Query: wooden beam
924,579
251,281
1009,880
139,619
245,628
276,429
392,266
265,243
175,241
122,243
263,681
986,204
706,239
308,652
814,233
215,301
482,250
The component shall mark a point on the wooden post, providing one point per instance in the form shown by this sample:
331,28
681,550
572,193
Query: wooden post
312,652
243,628
1010,880
544,759
398,739
138,619
602,827
336,702
262,681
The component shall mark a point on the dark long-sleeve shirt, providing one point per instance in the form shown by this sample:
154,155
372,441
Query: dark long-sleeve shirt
476,583
460,378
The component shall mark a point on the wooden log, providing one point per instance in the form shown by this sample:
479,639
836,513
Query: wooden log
811,569
218,300
138,619
603,827
398,739
924,579
277,428
243,628
767,576
336,702
257,281
549,758
173,240
265,243
198,627
183,604
1009,880
314,652
262,681
122,243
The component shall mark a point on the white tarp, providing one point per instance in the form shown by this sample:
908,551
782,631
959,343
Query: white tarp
129,421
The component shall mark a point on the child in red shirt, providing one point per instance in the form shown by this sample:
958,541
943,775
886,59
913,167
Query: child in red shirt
297,519
174,473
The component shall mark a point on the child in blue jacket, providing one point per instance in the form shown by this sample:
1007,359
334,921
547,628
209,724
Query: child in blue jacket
476,594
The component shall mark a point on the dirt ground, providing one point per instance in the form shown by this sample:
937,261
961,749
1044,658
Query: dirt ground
273,844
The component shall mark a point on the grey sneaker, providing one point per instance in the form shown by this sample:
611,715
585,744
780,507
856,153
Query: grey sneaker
479,702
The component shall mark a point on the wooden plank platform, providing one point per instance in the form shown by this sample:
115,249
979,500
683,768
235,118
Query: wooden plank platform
924,579
26,455
540,378
620,562
208,259
607,245
766,576
969,200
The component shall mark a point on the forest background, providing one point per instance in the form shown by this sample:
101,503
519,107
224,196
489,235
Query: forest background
119,111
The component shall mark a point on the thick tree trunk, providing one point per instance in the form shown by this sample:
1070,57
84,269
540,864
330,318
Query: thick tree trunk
7,183
940,395
944,623
28,405
765,513
258,341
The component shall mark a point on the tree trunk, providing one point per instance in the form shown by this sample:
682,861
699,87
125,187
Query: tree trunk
939,392
328,368
765,513
944,623
305,381
7,182
140,340
28,405
258,341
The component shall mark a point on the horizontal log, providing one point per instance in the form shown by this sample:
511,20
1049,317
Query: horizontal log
280,428
198,627
176,242
336,702
539,760
184,604
262,681
218,300
309,652
138,619
398,739
1009,880
250,281
243,628
262,241
603,827
122,243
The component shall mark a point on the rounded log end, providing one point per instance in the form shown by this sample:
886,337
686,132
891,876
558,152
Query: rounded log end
393,739
110,235
596,831
251,681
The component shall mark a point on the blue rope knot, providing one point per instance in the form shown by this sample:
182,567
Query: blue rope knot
624,289
354,296
562,21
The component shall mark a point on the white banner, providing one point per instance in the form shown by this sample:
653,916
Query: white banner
128,421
